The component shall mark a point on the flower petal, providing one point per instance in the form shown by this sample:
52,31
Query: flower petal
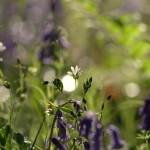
69,73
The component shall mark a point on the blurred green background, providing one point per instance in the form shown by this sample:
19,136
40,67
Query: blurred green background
109,40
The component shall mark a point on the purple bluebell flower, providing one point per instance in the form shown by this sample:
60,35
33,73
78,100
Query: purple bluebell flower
57,144
53,34
116,141
145,112
146,108
97,136
54,40
50,32
61,124
76,104
85,127
90,128
145,125
86,145
56,6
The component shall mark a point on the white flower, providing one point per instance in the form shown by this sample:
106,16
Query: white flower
2,47
75,72
49,111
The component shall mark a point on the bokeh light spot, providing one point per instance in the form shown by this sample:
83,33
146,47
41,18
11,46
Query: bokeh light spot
132,89
69,83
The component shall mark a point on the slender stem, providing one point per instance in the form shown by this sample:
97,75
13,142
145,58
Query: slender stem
10,118
75,83
147,148
53,124
32,146
11,112
52,128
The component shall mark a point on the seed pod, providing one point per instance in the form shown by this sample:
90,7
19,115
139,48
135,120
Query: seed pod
45,82
109,97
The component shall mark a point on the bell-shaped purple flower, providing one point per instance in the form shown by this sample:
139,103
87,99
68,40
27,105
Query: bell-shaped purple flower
57,144
116,141
145,125
90,128
85,127
145,112
146,108
61,125
86,145
76,104
97,136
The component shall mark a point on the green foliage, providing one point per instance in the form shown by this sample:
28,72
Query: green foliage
144,135
9,138
58,84
113,48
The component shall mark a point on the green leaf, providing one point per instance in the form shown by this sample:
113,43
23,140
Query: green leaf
58,84
19,139
6,84
4,134
15,139
64,109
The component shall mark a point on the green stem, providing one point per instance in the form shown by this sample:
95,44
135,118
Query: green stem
48,92
11,113
10,118
53,124
32,146
147,148
75,83
52,128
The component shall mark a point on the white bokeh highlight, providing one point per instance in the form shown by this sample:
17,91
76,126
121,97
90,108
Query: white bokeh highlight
69,83
132,89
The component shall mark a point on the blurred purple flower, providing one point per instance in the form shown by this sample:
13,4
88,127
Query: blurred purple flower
46,55
145,112
57,144
49,32
36,10
116,141
52,33
56,5
53,41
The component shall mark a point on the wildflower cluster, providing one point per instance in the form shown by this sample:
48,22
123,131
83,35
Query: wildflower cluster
79,128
